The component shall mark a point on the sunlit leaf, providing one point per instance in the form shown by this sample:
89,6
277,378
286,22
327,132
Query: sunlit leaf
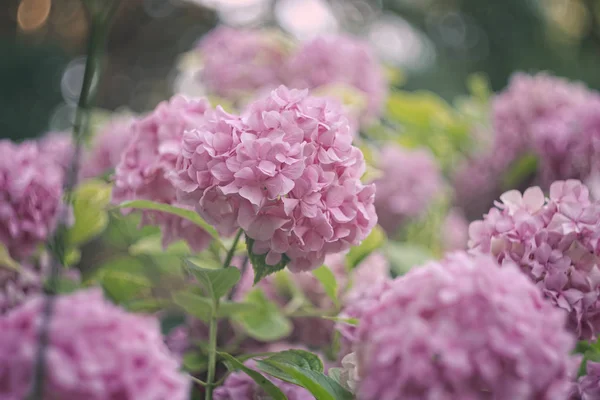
216,282
90,200
328,281
374,241
152,245
265,322
123,286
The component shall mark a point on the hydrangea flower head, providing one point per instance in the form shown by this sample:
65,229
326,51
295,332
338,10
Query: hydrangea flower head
286,173
95,351
241,62
588,385
554,240
149,159
463,329
30,197
339,60
410,182
107,146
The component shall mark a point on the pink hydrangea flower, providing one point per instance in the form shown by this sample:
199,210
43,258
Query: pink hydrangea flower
463,329
588,386
521,116
150,157
106,148
410,182
554,241
331,60
455,231
95,351
241,62
286,173
59,147
30,197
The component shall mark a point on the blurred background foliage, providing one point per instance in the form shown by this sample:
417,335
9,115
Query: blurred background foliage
437,44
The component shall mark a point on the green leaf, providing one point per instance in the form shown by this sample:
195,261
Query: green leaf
265,322
519,171
147,305
65,285
235,365
261,268
216,282
123,286
300,358
327,279
194,361
6,260
349,321
190,215
317,383
335,373
375,240
198,306
229,308
89,209
404,256
152,245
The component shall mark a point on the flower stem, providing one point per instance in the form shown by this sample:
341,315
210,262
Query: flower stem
212,352
231,251
99,24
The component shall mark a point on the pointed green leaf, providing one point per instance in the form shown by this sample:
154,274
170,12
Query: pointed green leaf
265,322
152,245
194,362
216,282
349,321
147,305
261,268
317,383
300,358
198,306
190,215
327,279
268,386
123,286
229,308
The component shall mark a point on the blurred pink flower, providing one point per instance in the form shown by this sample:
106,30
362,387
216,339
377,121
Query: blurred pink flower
411,180
241,62
95,351
455,231
59,147
341,59
30,197
588,386
106,148
463,329
555,242
150,157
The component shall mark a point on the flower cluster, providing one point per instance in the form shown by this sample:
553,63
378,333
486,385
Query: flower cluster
588,386
554,241
237,63
334,60
463,329
30,197
286,172
143,169
106,148
411,180
95,351
539,114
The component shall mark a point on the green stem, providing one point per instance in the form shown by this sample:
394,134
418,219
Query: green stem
231,251
58,243
212,352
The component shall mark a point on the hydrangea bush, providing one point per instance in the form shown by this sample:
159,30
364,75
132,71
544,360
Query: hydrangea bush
302,230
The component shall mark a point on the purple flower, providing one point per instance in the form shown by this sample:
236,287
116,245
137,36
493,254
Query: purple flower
455,231
240,62
107,146
286,173
410,182
463,329
150,157
30,197
588,386
95,351
333,60
59,147
555,242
